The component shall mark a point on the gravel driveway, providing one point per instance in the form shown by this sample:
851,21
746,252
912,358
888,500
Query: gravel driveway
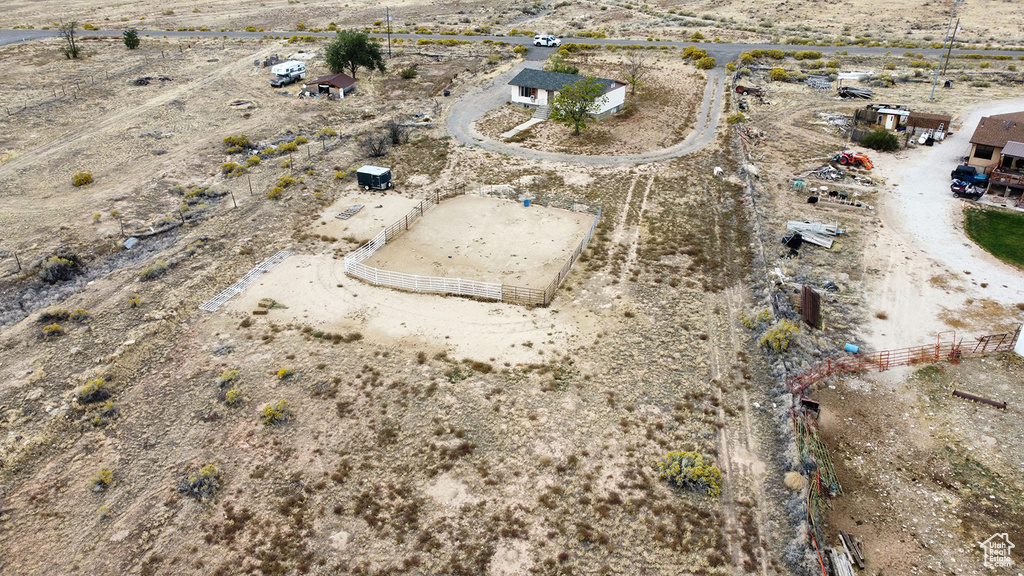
474,106
933,218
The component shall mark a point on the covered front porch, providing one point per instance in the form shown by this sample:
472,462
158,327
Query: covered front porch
1009,173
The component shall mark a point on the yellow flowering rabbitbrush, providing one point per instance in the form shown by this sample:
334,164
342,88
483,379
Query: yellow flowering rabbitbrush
691,470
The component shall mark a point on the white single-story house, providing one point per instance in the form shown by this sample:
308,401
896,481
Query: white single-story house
532,87
332,86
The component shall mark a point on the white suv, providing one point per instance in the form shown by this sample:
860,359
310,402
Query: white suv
544,40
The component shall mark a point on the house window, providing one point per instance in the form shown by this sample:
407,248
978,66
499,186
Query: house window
526,92
984,152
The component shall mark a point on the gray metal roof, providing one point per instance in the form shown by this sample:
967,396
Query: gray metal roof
1015,149
533,78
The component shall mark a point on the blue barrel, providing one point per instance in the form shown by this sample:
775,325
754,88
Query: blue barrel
526,203
852,349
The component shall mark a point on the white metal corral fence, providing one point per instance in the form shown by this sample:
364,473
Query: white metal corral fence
414,282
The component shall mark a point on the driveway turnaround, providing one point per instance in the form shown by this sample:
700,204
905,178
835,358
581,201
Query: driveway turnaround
476,104
933,218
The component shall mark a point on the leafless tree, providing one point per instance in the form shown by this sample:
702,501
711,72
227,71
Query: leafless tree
399,133
376,145
67,32
637,66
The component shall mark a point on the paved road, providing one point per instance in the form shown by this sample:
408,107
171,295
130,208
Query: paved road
723,51
495,94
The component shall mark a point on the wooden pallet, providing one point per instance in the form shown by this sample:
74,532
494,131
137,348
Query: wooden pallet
350,212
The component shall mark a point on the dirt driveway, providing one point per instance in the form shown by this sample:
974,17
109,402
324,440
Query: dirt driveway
930,270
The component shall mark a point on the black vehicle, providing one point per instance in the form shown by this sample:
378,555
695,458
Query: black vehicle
964,189
969,174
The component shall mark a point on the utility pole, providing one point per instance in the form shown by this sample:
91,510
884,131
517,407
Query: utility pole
938,69
387,12
950,51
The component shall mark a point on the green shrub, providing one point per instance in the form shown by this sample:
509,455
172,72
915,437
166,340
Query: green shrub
237,143
284,373
277,413
233,397
882,141
50,316
756,320
275,193
155,271
778,74
130,38
780,336
691,471
521,50
227,377
53,331
134,302
102,480
93,391
408,73
736,118
251,161
81,179
227,167
776,54
325,133
706,63
201,484
59,267
746,58
80,315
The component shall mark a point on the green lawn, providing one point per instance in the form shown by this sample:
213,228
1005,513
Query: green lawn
1000,232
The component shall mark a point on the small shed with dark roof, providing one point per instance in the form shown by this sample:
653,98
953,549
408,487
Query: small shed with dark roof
933,125
330,86
537,88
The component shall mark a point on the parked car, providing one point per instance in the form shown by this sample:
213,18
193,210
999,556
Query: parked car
965,189
969,174
546,40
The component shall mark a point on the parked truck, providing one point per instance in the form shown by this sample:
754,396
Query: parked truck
287,72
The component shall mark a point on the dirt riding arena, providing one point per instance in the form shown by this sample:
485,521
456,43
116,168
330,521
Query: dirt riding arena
487,239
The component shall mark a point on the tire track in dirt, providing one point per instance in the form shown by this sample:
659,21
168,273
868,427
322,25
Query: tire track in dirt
743,471
631,251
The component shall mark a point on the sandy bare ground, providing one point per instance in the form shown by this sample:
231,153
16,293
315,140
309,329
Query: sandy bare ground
487,239
378,212
317,293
